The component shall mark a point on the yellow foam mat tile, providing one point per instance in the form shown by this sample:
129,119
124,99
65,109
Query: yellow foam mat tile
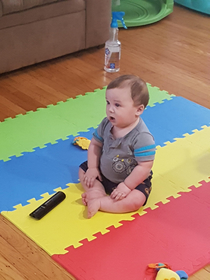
201,137
178,166
65,225
186,161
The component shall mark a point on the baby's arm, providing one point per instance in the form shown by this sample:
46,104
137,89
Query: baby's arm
136,177
94,153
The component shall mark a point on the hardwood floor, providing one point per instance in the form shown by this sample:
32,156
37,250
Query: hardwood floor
173,54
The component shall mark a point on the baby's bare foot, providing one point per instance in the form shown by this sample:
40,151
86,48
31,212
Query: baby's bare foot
93,207
84,198
91,194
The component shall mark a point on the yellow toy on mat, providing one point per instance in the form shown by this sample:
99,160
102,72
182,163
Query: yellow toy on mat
82,142
165,272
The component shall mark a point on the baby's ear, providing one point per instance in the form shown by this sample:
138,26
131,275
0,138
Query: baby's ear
140,110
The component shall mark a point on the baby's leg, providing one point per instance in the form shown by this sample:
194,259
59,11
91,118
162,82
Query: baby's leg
97,191
132,202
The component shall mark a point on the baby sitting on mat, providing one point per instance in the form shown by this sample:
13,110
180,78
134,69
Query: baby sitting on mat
121,152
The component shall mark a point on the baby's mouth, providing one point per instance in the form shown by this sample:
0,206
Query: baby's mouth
112,118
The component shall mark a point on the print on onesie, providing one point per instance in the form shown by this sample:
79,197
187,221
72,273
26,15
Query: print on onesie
123,165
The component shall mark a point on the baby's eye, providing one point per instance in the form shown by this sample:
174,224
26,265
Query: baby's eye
117,104
107,102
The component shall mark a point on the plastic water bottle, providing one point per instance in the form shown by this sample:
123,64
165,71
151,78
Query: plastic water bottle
113,45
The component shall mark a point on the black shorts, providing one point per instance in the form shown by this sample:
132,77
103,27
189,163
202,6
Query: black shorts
109,186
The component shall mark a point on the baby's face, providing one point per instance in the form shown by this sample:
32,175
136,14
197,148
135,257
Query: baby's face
120,108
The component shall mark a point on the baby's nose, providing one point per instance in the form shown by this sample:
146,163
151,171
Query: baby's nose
111,109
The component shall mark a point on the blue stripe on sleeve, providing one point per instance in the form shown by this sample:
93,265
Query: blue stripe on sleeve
146,148
95,134
144,154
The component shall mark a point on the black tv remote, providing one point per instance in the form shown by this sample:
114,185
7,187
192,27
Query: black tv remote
48,205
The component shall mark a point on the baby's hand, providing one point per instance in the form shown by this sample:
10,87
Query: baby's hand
90,176
120,192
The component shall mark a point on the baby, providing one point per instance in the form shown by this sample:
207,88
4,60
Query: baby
117,176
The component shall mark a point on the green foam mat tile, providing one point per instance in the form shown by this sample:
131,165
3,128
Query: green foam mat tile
46,125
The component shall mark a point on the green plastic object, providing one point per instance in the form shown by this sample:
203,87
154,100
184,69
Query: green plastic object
143,12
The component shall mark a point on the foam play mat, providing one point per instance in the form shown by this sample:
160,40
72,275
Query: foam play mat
38,158
143,12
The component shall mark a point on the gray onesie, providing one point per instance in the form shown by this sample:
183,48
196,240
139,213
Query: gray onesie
121,155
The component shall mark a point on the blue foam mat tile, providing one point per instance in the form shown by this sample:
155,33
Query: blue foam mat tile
175,117
41,171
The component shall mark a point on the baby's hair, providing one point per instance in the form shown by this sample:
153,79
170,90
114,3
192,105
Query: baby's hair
139,90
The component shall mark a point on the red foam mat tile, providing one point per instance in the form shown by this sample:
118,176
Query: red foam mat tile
176,233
